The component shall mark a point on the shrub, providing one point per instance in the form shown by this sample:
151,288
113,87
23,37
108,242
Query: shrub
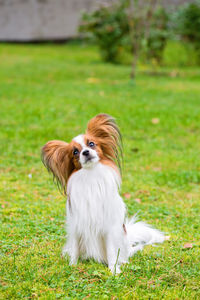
187,24
111,28
118,30
108,27
179,54
158,35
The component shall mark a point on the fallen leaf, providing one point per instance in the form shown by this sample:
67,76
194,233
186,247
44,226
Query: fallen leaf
34,295
138,200
3,283
174,73
189,196
151,281
143,192
155,121
101,93
92,80
134,149
157,169
187,246
127,195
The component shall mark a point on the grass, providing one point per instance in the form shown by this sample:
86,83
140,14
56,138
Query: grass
50,92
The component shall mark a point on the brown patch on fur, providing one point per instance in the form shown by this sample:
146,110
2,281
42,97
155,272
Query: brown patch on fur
97,147
58,158
111,164
105,132
75,158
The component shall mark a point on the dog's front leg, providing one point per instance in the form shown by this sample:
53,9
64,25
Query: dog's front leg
72,249
112,255
74,253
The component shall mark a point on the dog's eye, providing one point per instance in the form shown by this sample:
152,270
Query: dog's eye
75,152
91,144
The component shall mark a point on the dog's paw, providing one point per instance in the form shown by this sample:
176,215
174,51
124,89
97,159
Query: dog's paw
73,261
64,253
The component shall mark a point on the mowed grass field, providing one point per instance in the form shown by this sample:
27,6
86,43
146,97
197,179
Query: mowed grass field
50,92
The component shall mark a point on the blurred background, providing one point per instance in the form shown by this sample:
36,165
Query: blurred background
126,31
39,20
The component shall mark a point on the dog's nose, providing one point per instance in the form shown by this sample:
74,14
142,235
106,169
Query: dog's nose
86,152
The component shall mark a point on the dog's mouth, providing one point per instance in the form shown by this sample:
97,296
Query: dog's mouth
89,158
90,161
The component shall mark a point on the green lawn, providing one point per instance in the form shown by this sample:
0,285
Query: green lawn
50,92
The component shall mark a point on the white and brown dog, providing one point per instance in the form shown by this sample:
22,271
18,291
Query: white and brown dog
88,170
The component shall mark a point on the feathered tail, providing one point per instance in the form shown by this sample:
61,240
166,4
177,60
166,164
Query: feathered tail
140,234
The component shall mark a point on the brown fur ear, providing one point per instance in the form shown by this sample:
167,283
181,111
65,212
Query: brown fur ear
103,128
56,158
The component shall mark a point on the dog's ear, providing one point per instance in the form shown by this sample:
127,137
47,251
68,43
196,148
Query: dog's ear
104,129
56,156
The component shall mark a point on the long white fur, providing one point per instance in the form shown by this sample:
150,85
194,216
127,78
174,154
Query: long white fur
95,218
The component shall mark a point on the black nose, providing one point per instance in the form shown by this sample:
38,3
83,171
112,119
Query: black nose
86,152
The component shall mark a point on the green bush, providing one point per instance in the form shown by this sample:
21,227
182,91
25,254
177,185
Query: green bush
187,24
110,26
172,38
179,54
158,35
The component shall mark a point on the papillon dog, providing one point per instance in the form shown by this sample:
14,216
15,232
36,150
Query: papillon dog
89,171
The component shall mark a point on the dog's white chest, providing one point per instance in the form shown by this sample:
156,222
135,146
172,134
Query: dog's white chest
93,195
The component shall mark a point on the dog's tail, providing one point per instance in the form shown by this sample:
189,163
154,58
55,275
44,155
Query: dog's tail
140,234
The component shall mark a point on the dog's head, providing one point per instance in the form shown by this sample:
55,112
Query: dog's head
101,142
